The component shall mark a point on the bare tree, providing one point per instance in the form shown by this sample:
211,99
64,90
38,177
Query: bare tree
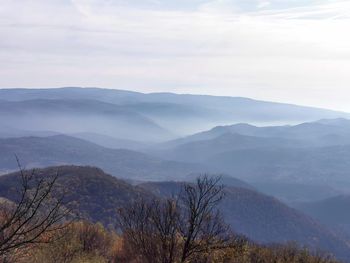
202,227
166,217
134,221
176,229
36,213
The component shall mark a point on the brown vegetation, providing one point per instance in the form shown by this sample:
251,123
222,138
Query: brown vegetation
92,243
80,242
186,228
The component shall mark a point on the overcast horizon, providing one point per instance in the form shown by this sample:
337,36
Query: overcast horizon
282,51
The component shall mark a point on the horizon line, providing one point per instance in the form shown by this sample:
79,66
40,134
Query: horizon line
175,93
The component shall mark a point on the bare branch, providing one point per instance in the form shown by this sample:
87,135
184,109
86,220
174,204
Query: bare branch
35,214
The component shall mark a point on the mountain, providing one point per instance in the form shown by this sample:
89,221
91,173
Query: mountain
61,149
182,113
318,165
97,195
80,116
323,132
94,194
333,212
201,150
110,142
9,132
304,160
264,219
292,192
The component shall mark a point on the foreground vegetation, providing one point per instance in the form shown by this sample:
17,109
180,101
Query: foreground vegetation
84,242
183,228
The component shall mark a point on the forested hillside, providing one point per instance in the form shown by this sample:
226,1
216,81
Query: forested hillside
96,197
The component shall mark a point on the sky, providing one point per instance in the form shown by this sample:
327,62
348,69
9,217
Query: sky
295,51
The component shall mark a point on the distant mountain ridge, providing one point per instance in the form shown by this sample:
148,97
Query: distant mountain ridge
182,113
247,152
313,155
62,149
306,131
74,116
200,150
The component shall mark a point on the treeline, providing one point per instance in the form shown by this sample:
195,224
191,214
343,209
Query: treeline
186,227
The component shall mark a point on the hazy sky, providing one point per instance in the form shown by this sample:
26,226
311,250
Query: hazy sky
291,51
